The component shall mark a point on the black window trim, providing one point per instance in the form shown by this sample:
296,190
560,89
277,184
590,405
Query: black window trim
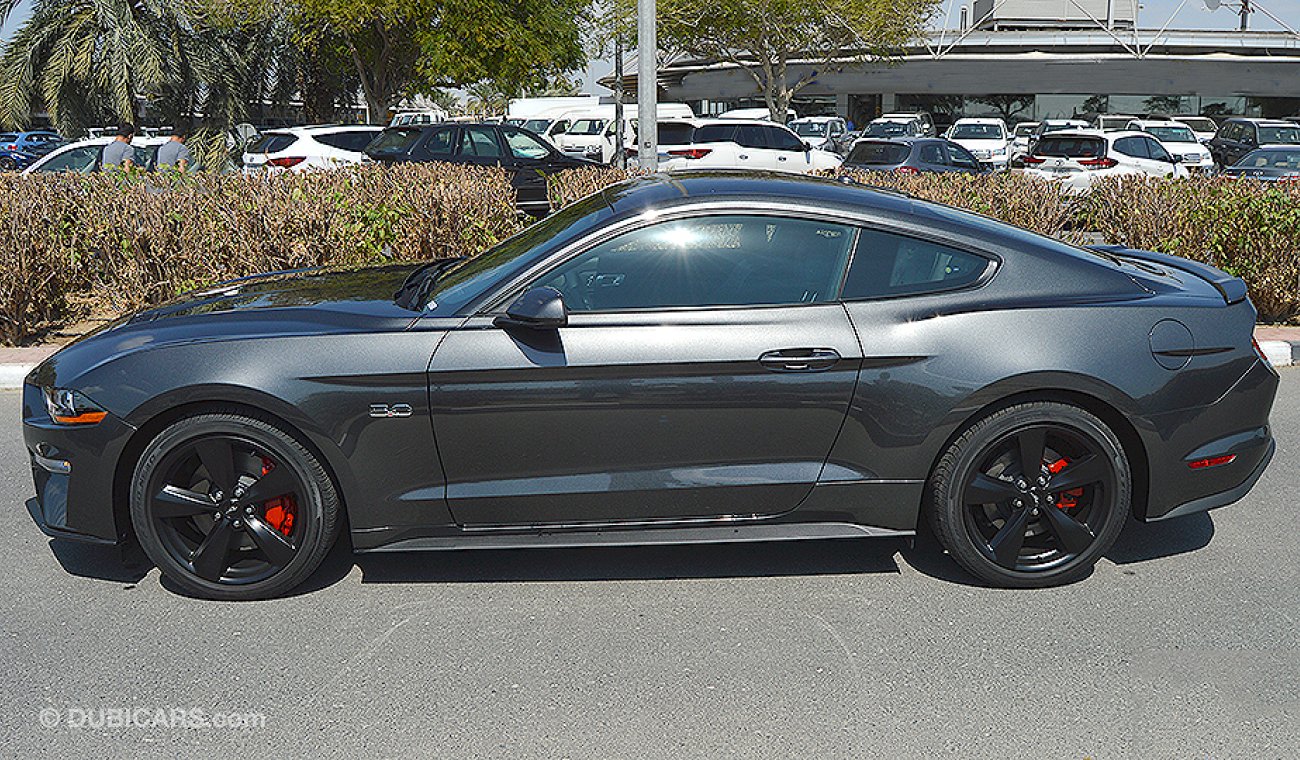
494,303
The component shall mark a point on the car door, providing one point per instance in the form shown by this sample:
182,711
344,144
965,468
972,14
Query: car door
1135,156
789,154
753,152
931,157
703,373
1162,163
530,161
962,160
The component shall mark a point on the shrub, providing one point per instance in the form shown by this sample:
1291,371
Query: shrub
131,241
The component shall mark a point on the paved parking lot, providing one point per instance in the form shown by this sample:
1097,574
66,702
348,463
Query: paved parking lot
1183,644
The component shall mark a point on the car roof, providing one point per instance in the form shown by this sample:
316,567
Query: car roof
1263,122
733,122
978,120
811,118
319,129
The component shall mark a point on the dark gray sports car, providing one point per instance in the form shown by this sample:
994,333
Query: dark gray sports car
693,358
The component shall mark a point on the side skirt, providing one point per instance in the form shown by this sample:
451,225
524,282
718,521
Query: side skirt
712,534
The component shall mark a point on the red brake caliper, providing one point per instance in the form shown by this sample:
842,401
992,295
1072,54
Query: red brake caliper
1067,499
280,510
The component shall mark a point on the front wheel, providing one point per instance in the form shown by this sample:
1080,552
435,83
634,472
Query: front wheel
1031,495
232,507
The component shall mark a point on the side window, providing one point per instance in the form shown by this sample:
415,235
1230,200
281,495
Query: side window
887,265
781,139
480,142
1249,133
523,145
354,141
963,159
932,154
751,136
439,143
708,261
81,160
1156,150
1134,147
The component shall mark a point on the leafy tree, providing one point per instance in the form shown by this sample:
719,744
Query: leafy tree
397,49
766,37
90,60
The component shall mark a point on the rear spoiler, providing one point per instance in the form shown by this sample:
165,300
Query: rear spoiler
1233,289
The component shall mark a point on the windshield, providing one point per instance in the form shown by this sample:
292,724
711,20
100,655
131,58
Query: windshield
1272,159
1279,135
1062,125
587,127
537,125
977,132
1173,134
886,128
393,142
465,282
809,128
1026,129
879,153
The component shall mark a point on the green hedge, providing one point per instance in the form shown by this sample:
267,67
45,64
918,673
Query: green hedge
110,244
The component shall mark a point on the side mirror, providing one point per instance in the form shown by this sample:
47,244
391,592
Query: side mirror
537,309
807,146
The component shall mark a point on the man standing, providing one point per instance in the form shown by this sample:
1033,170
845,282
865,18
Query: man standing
119,154
174,154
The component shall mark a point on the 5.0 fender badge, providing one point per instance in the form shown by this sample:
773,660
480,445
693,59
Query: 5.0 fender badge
386,410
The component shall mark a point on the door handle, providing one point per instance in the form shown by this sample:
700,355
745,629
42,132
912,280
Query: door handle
799,359
780,158
743,156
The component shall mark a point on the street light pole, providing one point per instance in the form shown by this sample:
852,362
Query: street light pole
620,139
647,87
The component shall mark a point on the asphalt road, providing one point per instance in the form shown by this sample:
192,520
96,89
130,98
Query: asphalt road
1182,644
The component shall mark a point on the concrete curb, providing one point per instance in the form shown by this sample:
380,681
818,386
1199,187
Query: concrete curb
1280,353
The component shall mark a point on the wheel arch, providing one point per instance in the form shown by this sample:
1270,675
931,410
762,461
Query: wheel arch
151,420
1117,420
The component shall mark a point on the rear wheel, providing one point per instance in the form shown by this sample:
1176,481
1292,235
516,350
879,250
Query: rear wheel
7,164
231,507
1031,495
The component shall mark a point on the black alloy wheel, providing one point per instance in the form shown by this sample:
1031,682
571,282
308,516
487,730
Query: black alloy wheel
1032,495
231,507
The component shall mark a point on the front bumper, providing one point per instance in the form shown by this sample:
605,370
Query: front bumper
73,469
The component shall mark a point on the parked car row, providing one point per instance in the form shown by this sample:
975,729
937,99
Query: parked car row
19,150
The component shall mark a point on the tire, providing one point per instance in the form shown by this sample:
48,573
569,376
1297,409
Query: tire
980,503
260,538
7,164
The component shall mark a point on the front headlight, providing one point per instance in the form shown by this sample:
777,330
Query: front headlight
68,407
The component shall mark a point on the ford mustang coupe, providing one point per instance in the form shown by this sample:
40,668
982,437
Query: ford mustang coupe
696,358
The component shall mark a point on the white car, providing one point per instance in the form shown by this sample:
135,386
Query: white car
418,118
1020,137
306,148
987,139
547,127
1112,122
1079,158
1204,127
1180,140
737,144
755,114
822,132
85,156
592,135
923,120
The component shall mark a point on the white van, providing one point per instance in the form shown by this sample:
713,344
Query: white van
591,134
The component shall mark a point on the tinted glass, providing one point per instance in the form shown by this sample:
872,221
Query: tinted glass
1279,135
397,142
960,157
1156,151
1026,129
81,160
889,129
355,141
710,261
586,127
439,144
1071,147
1135,147
879,153
782,139
480,142
886,265
272,142
1271,159
537,125
977,132
523,145
751,136
675,134
8,138
715,133
931,154
1199,124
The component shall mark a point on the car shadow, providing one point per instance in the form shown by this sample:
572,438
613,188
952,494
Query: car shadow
103,563
1142,542
690,561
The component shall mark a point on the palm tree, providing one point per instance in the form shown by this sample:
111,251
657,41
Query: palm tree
90,60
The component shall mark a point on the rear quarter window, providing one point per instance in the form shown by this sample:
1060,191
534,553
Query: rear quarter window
715,133
675,134
887,265
351,141
272,142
